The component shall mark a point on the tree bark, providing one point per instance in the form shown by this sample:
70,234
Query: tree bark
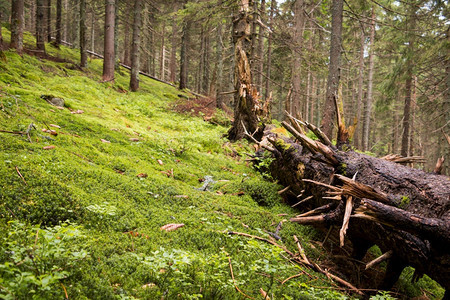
296,104
173,51
247,105
260,65
219,58
48,19
59,23
368,104
395,207
126,40
108,61
40,25
116,38
184,64
83,36
134,79
17,24
333,68
269,50
358,132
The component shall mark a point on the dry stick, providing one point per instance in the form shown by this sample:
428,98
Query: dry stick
302,201
318,133
294,122
65,291
348,212
250,136
323,184
301,250
316,210
284,190
328,235
234,280
298,260
13,132
264,294
301,193
379,259
293,276
20,175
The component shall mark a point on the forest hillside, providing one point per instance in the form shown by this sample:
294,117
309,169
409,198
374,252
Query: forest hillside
106,194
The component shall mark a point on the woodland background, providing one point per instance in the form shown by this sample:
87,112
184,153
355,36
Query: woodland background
394,64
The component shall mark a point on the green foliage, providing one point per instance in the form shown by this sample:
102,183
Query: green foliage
35,261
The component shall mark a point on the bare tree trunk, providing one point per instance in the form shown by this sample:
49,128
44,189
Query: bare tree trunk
329,109
59,22
116,38
173,51
360,89
413,114
108,61
269,50
48,19
40,25
219,58
66,20
205,71
93,29
368,104
297,44
162,63
184,64
246,96
126,41
17,24
83,38
134,79
260,65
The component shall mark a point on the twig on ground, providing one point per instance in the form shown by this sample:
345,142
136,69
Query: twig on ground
20,175
234,280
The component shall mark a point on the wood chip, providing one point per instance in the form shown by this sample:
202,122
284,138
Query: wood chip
79,111
181,196
134,140
142,175
105,141
160,162
54,125
171,227
49,147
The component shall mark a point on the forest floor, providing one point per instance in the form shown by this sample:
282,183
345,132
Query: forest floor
86,190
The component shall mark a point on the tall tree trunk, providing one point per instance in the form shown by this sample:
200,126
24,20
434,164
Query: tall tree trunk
83,37
205,71
413,114
368,104
40,25
297,44
173,51
66,21
184,64
134,79
48,19
108,61
260,64
93,29
162,63
360,89
329,109
126,40
116,38
269,50
59,22
219,59
17,24
253,37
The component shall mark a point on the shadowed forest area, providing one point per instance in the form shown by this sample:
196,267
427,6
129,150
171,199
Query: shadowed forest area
224,149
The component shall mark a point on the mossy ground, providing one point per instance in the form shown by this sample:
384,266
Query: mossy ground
82,224
92,187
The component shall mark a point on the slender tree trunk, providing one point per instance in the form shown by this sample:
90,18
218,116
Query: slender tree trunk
219,59
116,38
173,51
269,50
40,25
17,24
360,89
162,63
1,35
297,44
253,37
83,37
329,110
108,61
93,29
48,19
59,22
66,20
260,65
413,114
368,104
205,71
134,79
126,41
313,98
184,64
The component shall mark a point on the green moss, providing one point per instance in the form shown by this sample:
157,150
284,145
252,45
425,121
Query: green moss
280,144
404,201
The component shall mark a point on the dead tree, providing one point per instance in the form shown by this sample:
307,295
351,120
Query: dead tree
404,211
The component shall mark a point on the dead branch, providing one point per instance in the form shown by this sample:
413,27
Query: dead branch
20,175
348,212
379,259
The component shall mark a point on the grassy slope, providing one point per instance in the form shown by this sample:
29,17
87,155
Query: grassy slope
86,197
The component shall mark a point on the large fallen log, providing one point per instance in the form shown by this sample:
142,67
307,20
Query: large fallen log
404,211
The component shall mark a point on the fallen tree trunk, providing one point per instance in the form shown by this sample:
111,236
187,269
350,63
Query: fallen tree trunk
404,211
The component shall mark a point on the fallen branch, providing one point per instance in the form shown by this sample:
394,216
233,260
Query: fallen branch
379,259
234,280
20,175
348,212
301,250
302,201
